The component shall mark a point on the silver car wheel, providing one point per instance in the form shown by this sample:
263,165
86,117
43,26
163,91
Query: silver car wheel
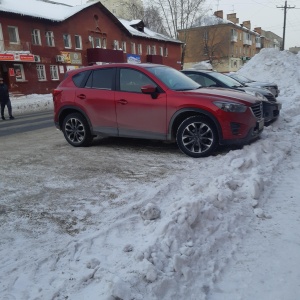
75,130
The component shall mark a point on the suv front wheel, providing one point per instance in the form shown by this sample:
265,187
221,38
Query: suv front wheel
197,137
76,130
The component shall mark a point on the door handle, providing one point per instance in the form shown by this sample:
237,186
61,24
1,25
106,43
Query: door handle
123,101
81,96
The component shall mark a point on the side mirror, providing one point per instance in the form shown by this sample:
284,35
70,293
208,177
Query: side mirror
150,89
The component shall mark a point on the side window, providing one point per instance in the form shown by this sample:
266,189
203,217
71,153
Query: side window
209,82
198,78
132,80
80,78
101,79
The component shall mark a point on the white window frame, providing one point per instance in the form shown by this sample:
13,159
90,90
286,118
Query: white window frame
50,38
97,42
148,50
166,52
104,42
67,41
116,45
140,49
41,72
15,33
78,40
161,51
153,50
54,72
124,46
133,48
36,37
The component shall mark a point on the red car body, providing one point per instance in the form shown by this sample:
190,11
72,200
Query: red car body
152,101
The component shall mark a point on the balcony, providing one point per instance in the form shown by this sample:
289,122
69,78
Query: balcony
234,38
247,42
258,45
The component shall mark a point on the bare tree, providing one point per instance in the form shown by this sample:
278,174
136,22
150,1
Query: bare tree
179,15
153,20
214,40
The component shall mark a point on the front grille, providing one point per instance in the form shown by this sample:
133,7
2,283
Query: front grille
271,98
257,110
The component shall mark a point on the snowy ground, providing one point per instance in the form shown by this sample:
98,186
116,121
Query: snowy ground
129,219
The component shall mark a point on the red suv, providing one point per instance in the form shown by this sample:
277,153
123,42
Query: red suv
153,102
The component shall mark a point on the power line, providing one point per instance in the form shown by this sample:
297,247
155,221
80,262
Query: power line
285,7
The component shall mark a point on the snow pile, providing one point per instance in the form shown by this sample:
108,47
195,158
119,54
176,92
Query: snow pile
154,226
272,65
31,103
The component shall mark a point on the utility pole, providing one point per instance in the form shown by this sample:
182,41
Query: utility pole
285,7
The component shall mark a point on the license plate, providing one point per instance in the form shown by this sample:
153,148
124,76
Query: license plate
279,106
261,124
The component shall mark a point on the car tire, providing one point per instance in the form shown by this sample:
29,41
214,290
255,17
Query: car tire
197,137
77,131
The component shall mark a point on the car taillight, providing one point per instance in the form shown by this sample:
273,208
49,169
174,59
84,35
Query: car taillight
56,92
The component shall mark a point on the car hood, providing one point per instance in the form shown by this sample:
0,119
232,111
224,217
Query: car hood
262,91
223,94
256,83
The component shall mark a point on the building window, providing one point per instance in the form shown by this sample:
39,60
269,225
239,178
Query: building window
50,38
124,46
13,35
140,49
19,72
166,52
104,43
54,72
153,50
97,43
148,50
41,73
36,37
133,48
116,45
78,42
67,40
161,51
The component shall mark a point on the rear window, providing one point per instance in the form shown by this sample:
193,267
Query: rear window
80,78
101,79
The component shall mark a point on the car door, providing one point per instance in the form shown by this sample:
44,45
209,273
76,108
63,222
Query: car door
139,115
97,100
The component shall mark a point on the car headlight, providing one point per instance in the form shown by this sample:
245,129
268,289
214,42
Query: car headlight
231,106
257,95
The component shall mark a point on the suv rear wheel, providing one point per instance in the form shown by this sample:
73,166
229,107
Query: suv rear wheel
77,131
197,137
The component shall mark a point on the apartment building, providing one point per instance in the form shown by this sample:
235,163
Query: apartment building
125,9
227,44
41,40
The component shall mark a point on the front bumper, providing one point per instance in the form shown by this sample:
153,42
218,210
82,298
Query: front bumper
271,111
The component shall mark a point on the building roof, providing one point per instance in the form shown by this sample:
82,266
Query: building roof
53,11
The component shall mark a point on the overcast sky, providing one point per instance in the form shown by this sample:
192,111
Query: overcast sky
261,13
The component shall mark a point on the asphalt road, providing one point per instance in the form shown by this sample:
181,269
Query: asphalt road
27,122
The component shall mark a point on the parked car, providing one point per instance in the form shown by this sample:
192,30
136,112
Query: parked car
271,107
153,102
272,87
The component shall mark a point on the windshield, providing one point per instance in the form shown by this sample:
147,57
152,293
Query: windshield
226,79
241,78
174,79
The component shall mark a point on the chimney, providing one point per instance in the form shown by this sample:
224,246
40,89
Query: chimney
258,30
219,14
247,24
232,18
